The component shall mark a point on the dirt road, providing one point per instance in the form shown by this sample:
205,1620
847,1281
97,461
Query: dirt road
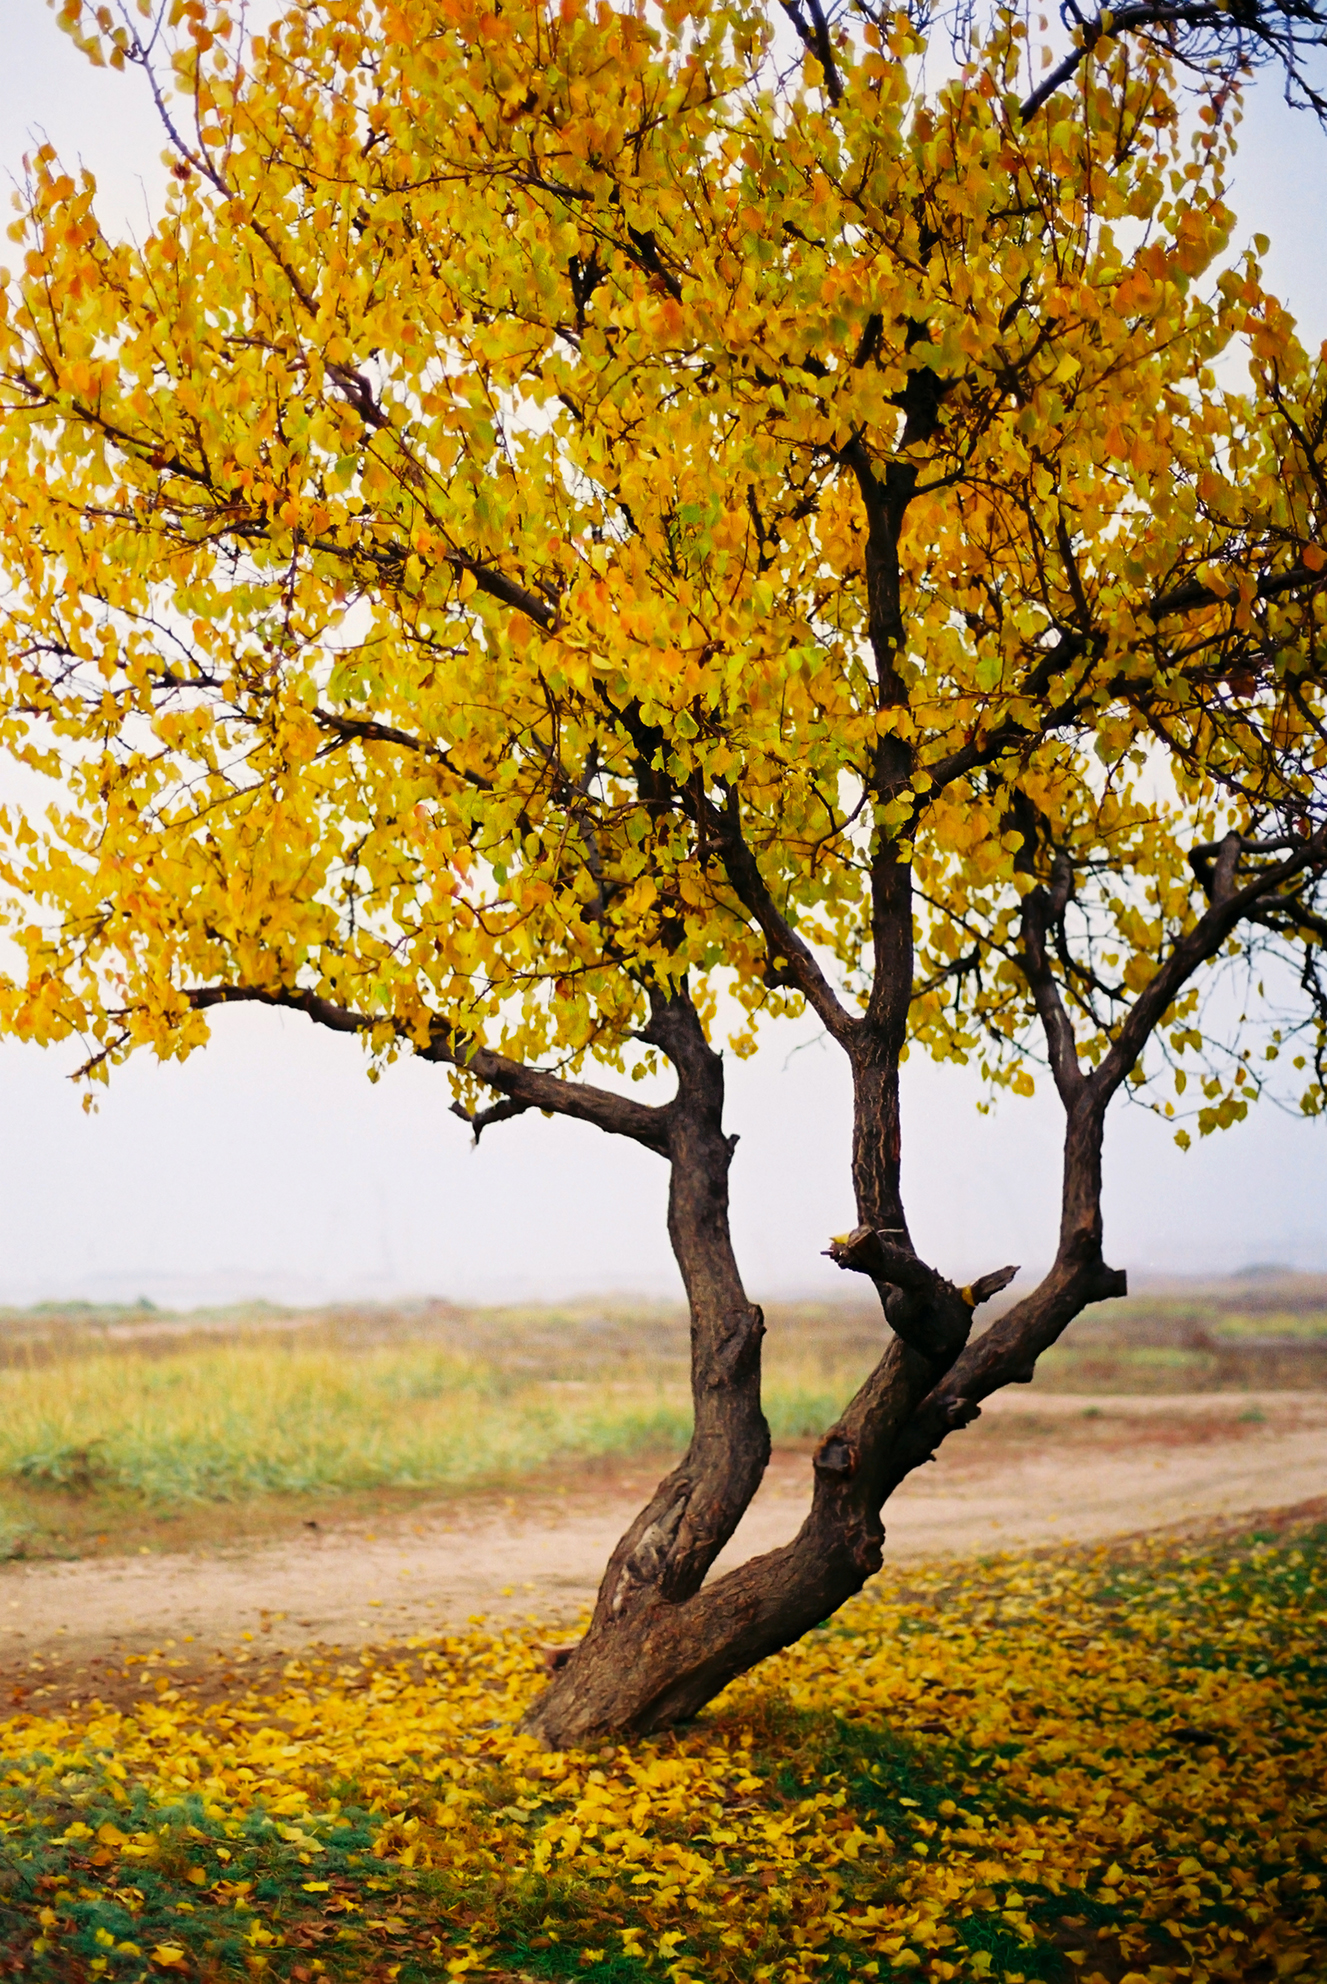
1036,1470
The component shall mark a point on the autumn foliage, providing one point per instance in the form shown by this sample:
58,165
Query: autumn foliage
462,471
582,527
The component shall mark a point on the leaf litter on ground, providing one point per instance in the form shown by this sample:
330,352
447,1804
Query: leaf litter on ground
1103,1764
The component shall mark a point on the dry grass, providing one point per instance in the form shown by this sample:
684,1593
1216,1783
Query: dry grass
1266,1331
97,1419
112,1417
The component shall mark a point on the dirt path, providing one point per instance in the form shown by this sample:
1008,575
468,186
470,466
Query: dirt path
1034,1471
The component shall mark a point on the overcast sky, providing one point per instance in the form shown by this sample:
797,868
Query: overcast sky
269,1166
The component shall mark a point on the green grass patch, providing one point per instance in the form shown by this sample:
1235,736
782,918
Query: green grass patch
254,1418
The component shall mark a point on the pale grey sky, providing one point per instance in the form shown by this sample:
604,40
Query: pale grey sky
268,1165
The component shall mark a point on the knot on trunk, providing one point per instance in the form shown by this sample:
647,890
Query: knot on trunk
959,1412
869,1552
743,1331
1088,1276
648,1559
835,1458
928,1312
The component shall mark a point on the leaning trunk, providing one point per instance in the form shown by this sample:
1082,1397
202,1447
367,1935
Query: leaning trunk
653,1576
662,1642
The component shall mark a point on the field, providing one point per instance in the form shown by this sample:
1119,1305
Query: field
111,1422
1265,1331
126,1424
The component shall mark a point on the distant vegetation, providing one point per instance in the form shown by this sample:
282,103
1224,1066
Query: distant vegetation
108,1411
1261,1331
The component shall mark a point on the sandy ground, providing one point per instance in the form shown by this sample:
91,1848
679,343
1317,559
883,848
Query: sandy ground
1035,1471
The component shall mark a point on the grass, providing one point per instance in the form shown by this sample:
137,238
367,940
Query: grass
133,1425
1106,1765
84,1438
254,1418
1265,1331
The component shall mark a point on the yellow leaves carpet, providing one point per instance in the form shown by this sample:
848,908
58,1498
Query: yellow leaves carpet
1107,1764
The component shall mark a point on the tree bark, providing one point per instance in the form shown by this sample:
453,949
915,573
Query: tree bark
635,1646
662,1641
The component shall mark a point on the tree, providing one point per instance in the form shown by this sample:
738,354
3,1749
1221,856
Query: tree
587,530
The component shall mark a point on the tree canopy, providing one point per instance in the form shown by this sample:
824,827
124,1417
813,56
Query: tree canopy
440,555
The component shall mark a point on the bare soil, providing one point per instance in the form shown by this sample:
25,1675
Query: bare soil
232,1607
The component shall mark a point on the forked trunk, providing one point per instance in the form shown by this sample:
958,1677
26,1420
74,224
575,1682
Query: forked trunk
654,1660
663,1642
657,1569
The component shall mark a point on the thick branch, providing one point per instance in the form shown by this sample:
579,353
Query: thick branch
1203,859
324,1011
815,39
497,1112
1041,909
533,1088
885,503
929,1313
1007,1353
362,730
1193,595
661,1563
498,586
1286,914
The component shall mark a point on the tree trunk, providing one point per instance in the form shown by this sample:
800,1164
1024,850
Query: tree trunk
662,1643
659,1565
